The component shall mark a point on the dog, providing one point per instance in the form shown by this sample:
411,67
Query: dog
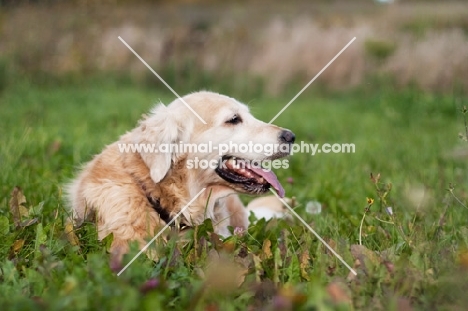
134,194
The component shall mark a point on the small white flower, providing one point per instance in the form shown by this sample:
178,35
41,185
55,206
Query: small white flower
389,210
313,207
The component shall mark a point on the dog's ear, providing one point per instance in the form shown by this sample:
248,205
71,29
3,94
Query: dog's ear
159,130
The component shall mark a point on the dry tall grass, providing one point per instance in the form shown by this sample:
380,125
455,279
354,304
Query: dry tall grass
278,44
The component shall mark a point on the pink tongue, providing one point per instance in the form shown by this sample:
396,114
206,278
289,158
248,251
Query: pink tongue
271,178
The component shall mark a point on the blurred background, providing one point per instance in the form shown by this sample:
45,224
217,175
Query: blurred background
239,46
69,86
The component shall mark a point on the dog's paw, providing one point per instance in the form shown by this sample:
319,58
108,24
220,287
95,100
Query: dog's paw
269,207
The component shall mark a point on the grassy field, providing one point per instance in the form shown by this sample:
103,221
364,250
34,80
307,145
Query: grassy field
415,258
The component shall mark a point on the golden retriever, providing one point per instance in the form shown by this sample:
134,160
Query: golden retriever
134,194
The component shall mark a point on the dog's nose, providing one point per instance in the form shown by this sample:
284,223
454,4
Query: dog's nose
287,136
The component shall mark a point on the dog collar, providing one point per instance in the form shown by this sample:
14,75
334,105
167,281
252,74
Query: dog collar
164,215
162,212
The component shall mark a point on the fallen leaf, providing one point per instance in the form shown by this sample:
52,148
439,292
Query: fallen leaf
216,241
339,293
70,234
28,222
292,295
463,259
16,202
258,268
304,264
222,273
266,250
229,246
366,257
351,275
16,247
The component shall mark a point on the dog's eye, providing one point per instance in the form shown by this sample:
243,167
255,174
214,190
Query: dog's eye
234,120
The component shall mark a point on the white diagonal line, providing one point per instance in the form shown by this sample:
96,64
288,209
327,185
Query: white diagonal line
315,233
161,79
160,232
313,79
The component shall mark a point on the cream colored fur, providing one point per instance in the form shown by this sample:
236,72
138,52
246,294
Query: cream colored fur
114,186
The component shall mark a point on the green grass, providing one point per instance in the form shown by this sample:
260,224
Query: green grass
418,256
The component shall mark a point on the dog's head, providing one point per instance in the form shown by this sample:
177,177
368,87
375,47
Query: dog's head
229,151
